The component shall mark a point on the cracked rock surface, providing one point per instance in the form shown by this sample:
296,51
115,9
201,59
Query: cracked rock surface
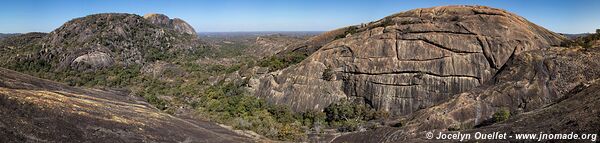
558,86
408,61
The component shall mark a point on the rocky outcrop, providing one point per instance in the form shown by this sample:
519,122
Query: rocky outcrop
95,59
37,110
408,61
176,24
530,81
163,70
559,86
103,40
272,44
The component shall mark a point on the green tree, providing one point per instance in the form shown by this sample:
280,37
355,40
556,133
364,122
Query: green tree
501,115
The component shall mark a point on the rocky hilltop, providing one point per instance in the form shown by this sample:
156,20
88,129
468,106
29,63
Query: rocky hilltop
407,61
272,44
176,24
105,40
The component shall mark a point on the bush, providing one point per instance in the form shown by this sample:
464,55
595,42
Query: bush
381,114
327,74
276,62
386,22
350,30
313,118
273,63
346,110
227,103
349,116
157,102
154,54
282,113
501,115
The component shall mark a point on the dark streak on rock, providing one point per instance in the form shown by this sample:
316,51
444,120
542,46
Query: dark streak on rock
487,53
413,72
394,84
441,46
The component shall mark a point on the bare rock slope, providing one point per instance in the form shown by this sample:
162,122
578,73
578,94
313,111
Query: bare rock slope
38,110
554,90
407,61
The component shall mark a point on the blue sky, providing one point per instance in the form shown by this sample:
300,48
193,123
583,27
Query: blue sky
18,16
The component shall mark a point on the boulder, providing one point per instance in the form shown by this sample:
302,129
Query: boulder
95,59
176,24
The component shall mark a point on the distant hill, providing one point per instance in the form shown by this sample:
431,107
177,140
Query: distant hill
3,35
575,36
259,33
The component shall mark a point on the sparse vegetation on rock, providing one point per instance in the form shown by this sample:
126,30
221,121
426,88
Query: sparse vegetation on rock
275,62
501,115
328,74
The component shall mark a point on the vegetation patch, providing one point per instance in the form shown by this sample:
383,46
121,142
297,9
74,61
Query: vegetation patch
328,74
350,30
585,42
228,103
275,62
501,115
350,116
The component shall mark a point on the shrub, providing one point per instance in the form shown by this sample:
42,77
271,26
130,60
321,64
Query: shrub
381,114
327,74
501,115
346,110
348,116
313,118
272,63
157,102
153,54
350,30
276,62
386,22
282,113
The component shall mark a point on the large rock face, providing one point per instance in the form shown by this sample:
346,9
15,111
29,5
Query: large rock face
559,86
175,23
408,61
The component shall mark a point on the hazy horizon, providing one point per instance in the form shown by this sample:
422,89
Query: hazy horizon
269,15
